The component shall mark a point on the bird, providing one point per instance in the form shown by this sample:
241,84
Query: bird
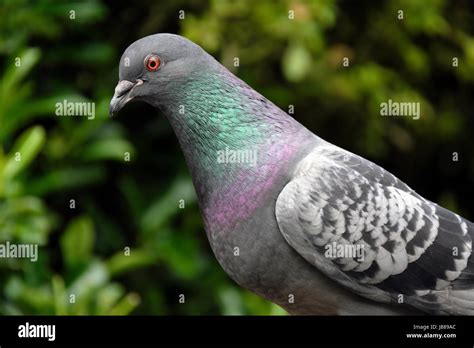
297,220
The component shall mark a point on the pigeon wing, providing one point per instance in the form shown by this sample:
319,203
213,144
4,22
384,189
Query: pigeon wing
370,232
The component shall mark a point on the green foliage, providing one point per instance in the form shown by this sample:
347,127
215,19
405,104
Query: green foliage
103,198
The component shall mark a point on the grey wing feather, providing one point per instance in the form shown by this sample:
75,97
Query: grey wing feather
395,245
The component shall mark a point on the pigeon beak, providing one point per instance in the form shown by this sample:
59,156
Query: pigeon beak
122,95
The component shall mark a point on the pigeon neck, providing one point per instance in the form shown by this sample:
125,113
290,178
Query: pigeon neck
229,133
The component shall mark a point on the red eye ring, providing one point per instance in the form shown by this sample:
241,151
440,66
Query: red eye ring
152,62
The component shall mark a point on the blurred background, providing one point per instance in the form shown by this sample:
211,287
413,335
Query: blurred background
110,230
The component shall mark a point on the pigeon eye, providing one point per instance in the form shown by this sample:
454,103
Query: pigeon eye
152,62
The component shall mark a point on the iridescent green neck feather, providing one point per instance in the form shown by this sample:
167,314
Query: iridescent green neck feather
216,115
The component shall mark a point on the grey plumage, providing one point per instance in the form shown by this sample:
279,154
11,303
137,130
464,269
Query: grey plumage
304,197
415,251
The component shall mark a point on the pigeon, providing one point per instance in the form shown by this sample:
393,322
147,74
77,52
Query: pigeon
289,216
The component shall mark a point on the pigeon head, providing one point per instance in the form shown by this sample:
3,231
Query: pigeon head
151,66
209,108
